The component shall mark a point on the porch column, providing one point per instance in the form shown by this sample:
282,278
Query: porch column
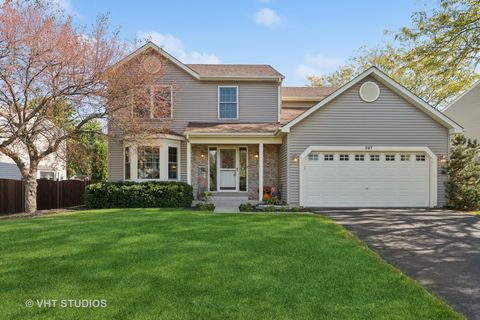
189,163
260,171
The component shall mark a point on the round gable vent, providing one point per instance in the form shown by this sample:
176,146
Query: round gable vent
369,91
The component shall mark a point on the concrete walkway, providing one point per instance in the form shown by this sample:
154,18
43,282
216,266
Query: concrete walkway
439,248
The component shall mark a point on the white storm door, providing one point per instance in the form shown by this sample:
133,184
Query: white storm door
228,169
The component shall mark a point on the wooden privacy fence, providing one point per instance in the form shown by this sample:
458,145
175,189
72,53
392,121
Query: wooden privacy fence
50,194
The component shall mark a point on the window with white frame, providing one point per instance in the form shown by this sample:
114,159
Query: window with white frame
359,157
420,157
405,157
374,157
344,157
328,157
173,163
152,102
313,157
48,175
228,102
127,163
390,157
148,162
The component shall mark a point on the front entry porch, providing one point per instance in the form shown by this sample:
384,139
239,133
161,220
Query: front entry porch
232,170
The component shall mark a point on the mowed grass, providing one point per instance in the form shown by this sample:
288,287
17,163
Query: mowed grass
174,264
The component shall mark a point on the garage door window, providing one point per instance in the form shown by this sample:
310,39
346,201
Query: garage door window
359,157
328,157
405,157
344,157
420,157
374,157
313,157
390,157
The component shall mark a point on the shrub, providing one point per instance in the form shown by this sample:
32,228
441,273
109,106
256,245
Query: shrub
463,186
205,206
269,209
138,195
272,201
246,207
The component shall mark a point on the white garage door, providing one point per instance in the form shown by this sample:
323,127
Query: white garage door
370,179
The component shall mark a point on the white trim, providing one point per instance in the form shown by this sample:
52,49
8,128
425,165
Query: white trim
218,102
189,163
151,45
217,149
260,171
393,85
461,96
231,134
163,145
190,71
432,157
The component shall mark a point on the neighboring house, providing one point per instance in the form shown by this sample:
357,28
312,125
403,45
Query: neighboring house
370,143
52,168
466,111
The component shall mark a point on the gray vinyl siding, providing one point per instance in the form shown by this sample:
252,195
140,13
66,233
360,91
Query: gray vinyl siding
197,101
349,121
9,171
283,167
115,155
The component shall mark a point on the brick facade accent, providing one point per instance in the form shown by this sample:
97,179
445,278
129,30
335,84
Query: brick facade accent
270,168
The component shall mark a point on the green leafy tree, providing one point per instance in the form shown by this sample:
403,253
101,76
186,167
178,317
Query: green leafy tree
87,154
436,58
463,170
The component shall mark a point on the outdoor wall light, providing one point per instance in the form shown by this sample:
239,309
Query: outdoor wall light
442,158
202,156
295,158
256,155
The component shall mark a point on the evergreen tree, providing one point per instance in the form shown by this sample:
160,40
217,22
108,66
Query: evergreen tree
463,170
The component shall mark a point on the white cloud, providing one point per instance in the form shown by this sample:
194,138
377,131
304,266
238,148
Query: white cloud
317,65
267,17
174,46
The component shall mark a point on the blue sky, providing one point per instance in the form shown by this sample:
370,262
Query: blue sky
295,37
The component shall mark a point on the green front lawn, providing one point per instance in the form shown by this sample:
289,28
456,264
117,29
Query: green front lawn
172,264
476,213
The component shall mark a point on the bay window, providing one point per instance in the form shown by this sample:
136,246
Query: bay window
148,162
156,159
172,163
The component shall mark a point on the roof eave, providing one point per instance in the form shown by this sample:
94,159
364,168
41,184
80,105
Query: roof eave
393,85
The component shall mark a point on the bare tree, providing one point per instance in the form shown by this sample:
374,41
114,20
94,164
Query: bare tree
55,77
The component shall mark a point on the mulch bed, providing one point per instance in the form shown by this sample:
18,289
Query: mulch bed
41,213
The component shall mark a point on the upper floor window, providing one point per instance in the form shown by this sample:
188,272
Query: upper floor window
228,102
152,102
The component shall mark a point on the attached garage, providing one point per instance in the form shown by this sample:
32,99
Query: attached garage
352,177
371,143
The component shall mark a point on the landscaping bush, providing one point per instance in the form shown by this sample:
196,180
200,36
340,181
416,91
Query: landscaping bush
205,206
139,195
246,207
463,171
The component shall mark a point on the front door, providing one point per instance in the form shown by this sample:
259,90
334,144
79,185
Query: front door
228,169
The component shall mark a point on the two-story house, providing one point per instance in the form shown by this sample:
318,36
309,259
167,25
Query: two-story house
233,129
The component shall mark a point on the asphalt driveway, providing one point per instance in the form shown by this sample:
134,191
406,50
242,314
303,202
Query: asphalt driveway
439,248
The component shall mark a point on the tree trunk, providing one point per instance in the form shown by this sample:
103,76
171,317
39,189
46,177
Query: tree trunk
31,192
